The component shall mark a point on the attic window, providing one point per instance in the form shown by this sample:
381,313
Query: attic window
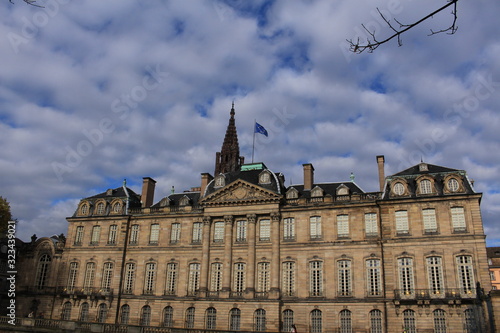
220,181
425,186
264,178
100,209
292,194
423,167
398,188
453,185
316,192
117,207
84,209
184,201
342,190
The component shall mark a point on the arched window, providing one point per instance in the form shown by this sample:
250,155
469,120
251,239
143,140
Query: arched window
211,319
425,186
100,208
84,312
190,317
234,319
102,312
316,321
125,314
168,316
287,320
345,321
66,311
117,207
260,320
470,321
42,271
376,321
409,321
145,316
84,209
439,321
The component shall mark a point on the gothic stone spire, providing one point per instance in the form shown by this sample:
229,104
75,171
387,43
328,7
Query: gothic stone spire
229,159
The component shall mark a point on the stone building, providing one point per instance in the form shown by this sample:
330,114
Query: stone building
246,252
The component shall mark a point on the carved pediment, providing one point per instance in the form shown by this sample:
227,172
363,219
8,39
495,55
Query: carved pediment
240,192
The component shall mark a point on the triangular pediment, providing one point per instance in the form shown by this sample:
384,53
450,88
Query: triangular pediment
240,192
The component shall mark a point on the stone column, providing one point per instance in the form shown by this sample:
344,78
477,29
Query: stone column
250,273
205,258
228,256
274,293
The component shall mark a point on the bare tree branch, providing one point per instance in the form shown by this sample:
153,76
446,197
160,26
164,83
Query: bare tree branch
372,43
29,2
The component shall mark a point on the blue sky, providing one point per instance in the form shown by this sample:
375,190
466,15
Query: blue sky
93,92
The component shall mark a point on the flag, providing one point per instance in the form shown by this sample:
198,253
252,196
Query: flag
260,129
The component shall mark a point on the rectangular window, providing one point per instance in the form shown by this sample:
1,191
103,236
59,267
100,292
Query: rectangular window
197,232
402,227
289,229
344,277
492,276
429,218
149,279
112,234
107,274
316,278
435,275
343,226
175,233
170,286
374,277
241,231
289,278
264,230
194,279
128,285
406,281
239,278
263,277
134,234
315,227
79,235
458,219
96,234
73,273
216,278
371,225
465,273
88,282
154,234
218,232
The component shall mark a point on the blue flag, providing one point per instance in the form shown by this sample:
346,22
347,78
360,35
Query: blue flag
260,129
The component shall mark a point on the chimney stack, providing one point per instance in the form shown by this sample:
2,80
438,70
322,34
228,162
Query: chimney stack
381,172
308,176
205,179
148,191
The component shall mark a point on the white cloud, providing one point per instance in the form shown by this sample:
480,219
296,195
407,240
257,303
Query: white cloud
283,63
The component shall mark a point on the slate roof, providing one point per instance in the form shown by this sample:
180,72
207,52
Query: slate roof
328,188
135,199
252,176
431,168
174,199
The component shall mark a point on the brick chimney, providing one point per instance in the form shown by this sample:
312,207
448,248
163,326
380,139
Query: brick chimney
205,179
148,191
308,176
381,172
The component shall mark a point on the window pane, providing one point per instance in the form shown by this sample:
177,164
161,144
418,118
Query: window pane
402,222
371,227
429,217
343,225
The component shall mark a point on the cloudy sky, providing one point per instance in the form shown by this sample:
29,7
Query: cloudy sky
93,92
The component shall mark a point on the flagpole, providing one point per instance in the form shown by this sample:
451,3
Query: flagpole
253,144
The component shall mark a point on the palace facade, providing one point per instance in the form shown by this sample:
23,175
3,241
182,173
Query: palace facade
246,252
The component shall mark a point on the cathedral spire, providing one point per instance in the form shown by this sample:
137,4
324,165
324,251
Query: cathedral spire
229,159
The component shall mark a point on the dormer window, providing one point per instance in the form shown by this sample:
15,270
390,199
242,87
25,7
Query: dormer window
453,185
398,188
264,177
100,208
342,190
220,181
84,209
292,193
184,201
316,192
117,207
